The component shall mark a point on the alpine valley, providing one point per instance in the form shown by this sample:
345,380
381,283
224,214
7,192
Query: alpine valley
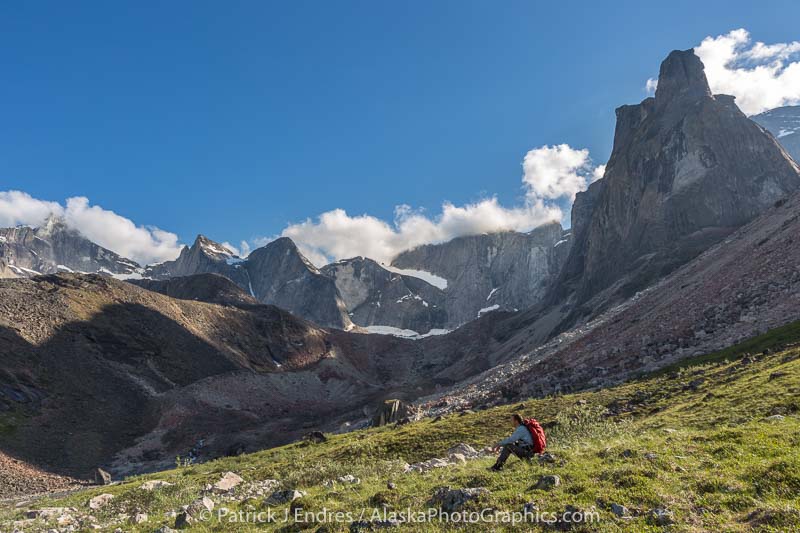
688,245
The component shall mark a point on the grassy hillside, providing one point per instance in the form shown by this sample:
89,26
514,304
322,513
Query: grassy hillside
700,440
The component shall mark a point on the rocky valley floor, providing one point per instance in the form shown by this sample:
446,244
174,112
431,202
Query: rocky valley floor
709,444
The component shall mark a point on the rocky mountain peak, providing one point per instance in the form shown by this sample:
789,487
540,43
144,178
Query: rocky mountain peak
681,77
686,170
211,248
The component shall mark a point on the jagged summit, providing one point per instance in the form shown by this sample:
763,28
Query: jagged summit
681,77
686,169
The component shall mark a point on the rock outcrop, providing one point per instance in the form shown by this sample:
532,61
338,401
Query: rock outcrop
687,169
496,271
374,296
784,124
282,276
54,247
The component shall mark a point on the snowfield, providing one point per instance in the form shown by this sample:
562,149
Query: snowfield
433,279
404,333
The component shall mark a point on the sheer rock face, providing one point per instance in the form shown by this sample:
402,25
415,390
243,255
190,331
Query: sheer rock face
784,124
282,276
687,169
53,247
497,271
276,274
375,296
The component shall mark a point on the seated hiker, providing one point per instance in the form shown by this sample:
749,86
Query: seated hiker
526,440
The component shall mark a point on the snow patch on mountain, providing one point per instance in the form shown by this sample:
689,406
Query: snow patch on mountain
404,333
494,307
433,279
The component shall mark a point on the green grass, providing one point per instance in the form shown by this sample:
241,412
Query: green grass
720,465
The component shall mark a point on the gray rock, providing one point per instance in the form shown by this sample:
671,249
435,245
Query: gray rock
184,520
101,477
154,484
391,411
620,510
227,482
451,500
283,496
463,449
661,516
547,457
548,482
100,501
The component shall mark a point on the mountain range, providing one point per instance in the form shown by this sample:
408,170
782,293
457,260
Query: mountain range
687,244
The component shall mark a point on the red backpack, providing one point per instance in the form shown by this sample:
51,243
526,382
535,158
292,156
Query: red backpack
537,432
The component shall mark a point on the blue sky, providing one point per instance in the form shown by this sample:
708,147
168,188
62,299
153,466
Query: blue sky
236,118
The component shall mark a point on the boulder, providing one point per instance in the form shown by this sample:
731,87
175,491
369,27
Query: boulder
464,449
391,411
451,500
100,501
548,482
457,458
228,482
154,484
349,479
547,457
283,496
184,520
139,518
620,510
100,477
199,505
316,437
660,516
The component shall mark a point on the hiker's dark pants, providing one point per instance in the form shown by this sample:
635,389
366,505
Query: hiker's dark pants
521,449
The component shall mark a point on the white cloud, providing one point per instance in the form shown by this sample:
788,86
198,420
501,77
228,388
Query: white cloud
552,172
19,208
598,173
552,175
761,76
243,250
143,244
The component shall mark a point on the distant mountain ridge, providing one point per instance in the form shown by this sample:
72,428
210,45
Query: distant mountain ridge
784,124
276,274
54,247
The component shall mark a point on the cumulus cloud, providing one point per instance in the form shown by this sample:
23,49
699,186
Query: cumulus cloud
19,208
552,175
552,172
143,244
761,76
